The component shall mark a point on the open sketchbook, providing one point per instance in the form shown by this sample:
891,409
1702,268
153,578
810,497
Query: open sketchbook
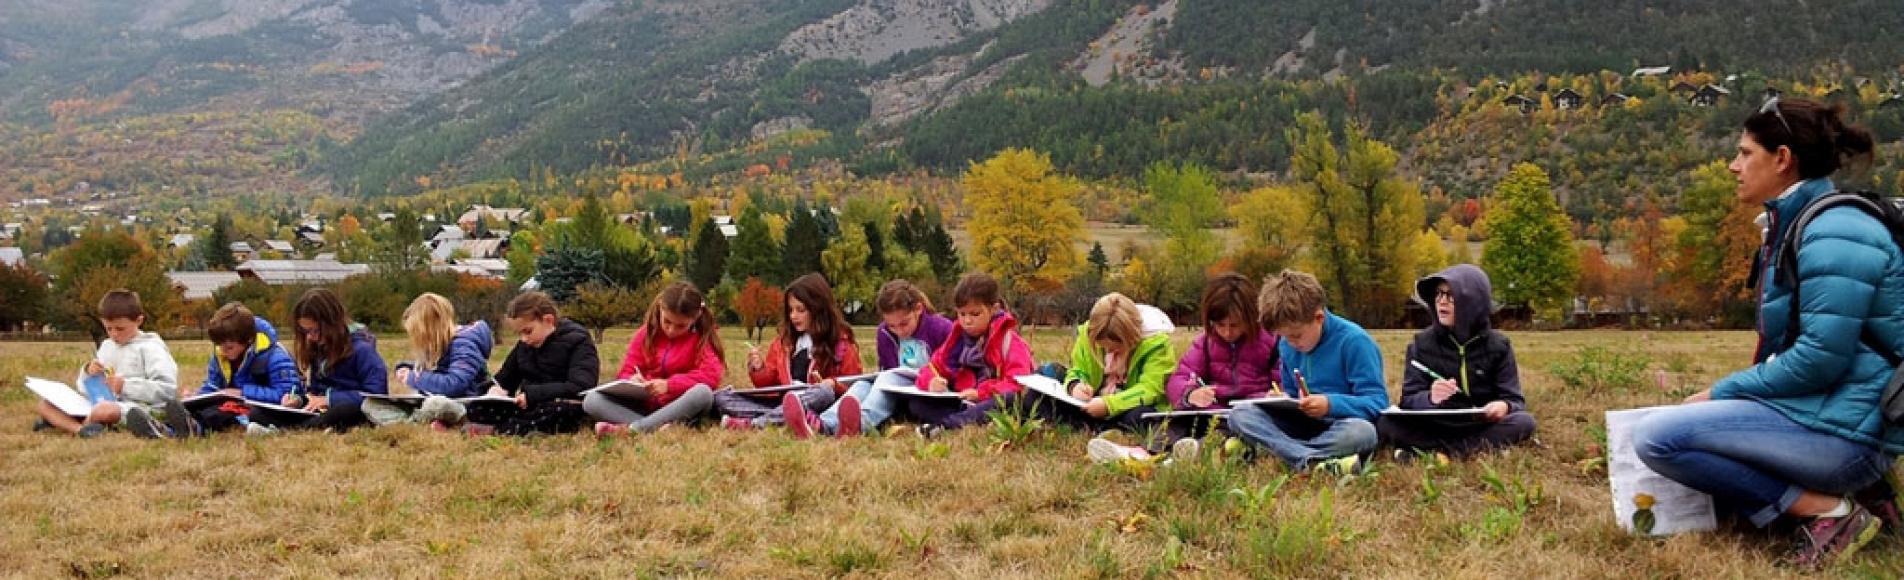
1187,413
849,380
416,399
913,391
63,397
1270,403
627,389
1049,387
1468,413
262,412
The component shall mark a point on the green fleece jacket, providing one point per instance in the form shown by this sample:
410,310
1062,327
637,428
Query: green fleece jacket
1151,365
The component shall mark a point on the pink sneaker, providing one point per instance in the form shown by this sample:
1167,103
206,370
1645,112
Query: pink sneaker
607,429
479,430
799,424
439,427
849,417
732,423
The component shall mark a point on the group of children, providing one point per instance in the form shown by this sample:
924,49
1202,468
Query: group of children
1298,382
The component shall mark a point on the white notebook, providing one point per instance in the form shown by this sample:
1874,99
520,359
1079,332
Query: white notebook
62,397
1049,387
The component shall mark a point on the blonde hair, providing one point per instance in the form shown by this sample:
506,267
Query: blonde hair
430,321
1115,319
1289,298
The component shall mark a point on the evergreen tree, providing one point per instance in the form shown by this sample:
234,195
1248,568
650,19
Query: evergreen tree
707,260
804,242
876,245
1100,262
754,253
215,248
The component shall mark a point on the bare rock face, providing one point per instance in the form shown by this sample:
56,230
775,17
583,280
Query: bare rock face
771,128
876,30
930,87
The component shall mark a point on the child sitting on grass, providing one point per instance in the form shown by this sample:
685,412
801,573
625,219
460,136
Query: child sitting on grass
676,356
1473,367
133,366
1334,369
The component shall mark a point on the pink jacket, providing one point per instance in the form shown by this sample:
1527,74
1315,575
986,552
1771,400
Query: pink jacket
675,360
1237,371
1007,353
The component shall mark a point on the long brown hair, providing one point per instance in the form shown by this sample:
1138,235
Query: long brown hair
1229,295
825,322
682,298
321,306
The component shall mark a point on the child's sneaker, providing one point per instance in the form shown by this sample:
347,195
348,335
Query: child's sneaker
849,417
1102,450
1823,541
479,430
929,431
180,422
607,429
1186,449
732,423
260,430
41,425
799,423
439,426
91,430
141,423
1344,465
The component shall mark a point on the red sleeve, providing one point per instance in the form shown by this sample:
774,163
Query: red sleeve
707,371
631,361
849,365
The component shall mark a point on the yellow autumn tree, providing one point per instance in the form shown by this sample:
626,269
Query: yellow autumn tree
1023,221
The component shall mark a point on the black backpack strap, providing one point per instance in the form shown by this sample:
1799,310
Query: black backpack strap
1785,256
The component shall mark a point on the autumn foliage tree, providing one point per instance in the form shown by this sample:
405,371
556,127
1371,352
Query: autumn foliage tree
1363,218
757,305
1023,220
103,260
22,295
1529,253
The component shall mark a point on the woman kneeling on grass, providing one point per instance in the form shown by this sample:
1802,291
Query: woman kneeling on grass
1799,434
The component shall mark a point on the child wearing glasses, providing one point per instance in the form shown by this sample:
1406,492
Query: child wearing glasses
1459,362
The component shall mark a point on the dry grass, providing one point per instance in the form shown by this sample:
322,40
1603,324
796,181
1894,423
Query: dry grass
408,502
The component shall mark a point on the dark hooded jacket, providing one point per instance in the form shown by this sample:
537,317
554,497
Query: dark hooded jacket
565,365
1472,353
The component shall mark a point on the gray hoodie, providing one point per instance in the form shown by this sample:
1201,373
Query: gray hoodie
147,366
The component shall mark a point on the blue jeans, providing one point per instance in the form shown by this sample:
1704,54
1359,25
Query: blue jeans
1750,458
875,406
1300,440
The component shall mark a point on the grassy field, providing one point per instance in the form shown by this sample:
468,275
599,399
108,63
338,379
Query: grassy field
406,502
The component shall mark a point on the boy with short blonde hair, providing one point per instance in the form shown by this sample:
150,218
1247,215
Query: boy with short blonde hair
1334,370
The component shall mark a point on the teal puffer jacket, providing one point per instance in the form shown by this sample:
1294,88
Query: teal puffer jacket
1850,275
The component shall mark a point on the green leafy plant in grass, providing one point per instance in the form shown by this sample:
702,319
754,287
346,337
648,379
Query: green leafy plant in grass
1260,500
1430,490
1513,497
1013,425
1299,544
1597,369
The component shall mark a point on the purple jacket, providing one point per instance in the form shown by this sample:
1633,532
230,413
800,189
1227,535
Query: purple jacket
933,330
1237,371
